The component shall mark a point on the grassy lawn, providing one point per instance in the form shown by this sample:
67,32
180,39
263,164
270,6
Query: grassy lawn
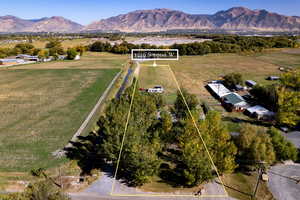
152,76
240,185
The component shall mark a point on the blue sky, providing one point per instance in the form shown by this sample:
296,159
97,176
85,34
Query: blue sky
86,11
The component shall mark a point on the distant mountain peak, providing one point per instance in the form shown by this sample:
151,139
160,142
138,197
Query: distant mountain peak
161,19
11,23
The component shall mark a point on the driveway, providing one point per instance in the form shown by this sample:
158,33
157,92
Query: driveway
101,189
282,181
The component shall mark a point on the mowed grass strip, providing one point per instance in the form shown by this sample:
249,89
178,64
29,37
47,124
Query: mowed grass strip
160,75
42,109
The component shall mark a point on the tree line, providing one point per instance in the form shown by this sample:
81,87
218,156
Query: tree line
219,44
283,98
53,48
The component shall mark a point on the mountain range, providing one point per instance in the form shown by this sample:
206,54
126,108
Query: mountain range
237,18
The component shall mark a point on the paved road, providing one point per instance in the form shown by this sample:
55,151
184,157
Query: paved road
120,91
282,182
294,137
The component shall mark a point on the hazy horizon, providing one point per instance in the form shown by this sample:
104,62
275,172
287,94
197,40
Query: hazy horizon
85,12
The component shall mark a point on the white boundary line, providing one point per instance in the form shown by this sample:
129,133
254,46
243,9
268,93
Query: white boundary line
166,195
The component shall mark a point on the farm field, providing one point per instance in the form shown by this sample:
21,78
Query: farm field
193,72
42,109
67,43
42,106
90,60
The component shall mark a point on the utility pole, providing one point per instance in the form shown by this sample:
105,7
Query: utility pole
260,171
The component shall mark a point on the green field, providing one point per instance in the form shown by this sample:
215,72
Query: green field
42,109
42,106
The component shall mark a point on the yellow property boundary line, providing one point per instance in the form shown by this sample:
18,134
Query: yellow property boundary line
195,124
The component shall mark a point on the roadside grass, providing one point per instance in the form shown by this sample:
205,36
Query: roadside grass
239,184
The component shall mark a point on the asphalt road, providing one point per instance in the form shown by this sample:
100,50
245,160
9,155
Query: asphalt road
282,182
294,137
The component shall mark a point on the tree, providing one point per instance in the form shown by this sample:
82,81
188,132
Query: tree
24,48
289,107
43,53
233,79
284,149
80,49
44,190
57,50
180,107
266,95
291,80
220,145
196,166
53,43
71,53
254,146
139,160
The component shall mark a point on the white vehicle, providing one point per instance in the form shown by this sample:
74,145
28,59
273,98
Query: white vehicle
156,89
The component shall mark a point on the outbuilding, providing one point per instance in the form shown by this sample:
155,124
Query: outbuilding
10,61
28,57
260,113
234,101
218,89
250,83
273,78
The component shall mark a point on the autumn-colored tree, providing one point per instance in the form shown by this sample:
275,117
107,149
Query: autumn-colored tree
254,146
221,146
289,107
